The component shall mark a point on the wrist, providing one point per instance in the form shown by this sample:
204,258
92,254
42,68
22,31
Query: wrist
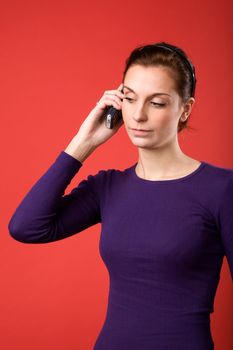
79,150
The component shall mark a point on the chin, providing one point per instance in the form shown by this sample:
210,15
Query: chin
142,143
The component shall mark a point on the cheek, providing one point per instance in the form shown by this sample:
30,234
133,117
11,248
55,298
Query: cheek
165,123
161,119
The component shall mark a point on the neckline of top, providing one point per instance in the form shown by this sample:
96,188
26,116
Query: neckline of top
180,179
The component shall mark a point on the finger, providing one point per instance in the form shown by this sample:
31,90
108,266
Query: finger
114,93
115,98
120,87
108,103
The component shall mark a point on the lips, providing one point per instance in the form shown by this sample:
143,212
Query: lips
140,132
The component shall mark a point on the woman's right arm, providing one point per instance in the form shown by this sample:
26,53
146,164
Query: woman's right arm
45,214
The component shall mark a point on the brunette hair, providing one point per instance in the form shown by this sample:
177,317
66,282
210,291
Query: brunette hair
173,57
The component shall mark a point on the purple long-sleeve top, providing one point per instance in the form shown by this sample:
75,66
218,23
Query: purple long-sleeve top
162,241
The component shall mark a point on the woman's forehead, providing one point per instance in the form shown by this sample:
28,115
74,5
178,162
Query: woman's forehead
140,78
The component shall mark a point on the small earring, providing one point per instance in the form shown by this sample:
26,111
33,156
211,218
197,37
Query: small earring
183,119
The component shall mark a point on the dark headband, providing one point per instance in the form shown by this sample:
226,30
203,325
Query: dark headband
188,63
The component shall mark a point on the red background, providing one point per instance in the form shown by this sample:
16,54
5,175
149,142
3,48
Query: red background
56,60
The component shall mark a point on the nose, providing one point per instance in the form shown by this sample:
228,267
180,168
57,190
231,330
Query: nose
139,113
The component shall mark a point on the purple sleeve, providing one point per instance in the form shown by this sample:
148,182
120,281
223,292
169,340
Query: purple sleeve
225,220
45,214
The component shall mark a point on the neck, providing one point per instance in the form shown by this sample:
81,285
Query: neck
163,162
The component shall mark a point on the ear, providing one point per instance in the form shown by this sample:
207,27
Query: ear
187,108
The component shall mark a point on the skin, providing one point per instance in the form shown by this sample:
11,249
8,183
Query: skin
159,152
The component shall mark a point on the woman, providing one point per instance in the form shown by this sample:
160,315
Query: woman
166,221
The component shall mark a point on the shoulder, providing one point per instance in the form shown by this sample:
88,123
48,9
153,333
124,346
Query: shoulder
106,181
216,174
219,169
218,183
105,177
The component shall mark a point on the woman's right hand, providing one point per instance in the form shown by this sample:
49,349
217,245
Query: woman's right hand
93,131
93,128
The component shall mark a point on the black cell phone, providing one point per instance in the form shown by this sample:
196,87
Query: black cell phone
113,116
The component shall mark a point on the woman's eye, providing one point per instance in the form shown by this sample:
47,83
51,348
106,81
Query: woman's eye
129,99
155,104
158,104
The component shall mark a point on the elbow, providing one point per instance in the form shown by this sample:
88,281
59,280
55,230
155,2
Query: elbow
27,233
17,232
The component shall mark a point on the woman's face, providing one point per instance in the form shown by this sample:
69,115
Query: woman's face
151,103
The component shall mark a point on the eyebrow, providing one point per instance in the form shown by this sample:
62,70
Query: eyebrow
155,94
